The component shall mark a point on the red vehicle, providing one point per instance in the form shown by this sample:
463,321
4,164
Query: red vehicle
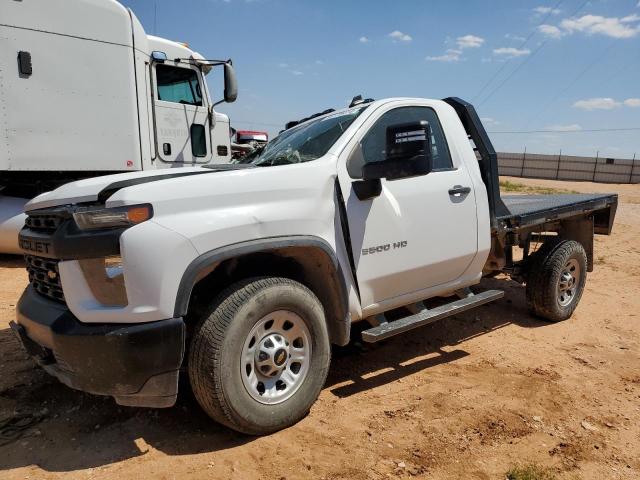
246,141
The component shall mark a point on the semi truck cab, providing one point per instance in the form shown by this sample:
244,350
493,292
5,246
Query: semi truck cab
86,91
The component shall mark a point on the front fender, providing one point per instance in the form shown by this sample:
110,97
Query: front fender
331,289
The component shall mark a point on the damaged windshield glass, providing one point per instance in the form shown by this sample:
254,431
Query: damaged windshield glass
308,141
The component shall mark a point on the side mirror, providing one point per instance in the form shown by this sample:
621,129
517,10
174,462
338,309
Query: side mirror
408,149
230,83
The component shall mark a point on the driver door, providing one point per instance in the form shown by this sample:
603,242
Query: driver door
182,118
415,235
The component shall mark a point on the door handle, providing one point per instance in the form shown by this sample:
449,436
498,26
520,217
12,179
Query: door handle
459,190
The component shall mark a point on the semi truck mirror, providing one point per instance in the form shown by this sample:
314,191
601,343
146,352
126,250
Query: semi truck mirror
408,153
230,83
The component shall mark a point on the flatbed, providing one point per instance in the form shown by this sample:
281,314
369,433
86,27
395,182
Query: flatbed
528,210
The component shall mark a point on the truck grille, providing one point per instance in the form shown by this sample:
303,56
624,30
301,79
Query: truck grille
45,277
46,221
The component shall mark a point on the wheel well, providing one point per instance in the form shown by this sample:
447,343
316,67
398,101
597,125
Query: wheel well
311,266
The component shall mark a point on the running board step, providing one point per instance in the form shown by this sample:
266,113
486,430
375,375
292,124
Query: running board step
425,317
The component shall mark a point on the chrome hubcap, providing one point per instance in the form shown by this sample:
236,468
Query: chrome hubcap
568,282
275,357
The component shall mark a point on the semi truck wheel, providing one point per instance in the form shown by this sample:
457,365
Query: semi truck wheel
556,279
260,358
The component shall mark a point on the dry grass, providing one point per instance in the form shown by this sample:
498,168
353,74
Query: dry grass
530,472
513,187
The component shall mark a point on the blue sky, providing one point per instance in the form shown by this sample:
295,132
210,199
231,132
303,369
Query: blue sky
561,66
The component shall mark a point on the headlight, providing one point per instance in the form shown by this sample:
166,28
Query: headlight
93,219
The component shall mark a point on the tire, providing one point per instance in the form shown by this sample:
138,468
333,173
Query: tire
235,343
556,278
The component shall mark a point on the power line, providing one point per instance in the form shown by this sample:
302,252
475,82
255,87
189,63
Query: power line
572,83
513,72
517,69
526,40
586,130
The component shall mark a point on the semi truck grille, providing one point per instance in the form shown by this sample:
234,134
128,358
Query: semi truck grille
45,277
47,221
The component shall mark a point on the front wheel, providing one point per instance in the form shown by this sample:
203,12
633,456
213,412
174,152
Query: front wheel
259,360
556,280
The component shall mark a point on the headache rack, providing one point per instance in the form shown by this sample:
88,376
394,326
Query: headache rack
488,158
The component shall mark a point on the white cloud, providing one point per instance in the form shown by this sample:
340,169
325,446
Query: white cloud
319,62
363,39
489,121
596,24
544,10
574,127
451,55
469,41
510,52
601,103
283,65
550,31
398,36
454,54
632,102
297,73
517,38
625,27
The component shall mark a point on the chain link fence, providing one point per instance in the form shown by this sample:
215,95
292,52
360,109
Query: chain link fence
567,167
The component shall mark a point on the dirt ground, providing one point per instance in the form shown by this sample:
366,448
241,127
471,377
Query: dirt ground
464,398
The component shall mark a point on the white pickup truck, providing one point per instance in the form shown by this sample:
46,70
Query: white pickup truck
242,276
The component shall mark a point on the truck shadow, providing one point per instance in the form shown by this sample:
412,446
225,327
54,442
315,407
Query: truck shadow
358,367
44,423
12,261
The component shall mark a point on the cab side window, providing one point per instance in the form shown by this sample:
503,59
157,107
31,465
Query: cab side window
178,85
372,147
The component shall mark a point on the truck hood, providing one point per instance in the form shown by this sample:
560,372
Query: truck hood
97,189
227,207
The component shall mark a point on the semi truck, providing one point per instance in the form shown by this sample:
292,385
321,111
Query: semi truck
84,91
241,277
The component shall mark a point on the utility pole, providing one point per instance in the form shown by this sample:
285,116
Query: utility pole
633,164
595,166
558,167
524,156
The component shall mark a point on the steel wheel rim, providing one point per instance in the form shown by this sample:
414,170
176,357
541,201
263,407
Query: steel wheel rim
276,356
568,282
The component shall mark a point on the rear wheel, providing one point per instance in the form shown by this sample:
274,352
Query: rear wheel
259,360
556,279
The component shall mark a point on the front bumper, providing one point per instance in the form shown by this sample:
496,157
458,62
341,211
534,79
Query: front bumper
137,364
